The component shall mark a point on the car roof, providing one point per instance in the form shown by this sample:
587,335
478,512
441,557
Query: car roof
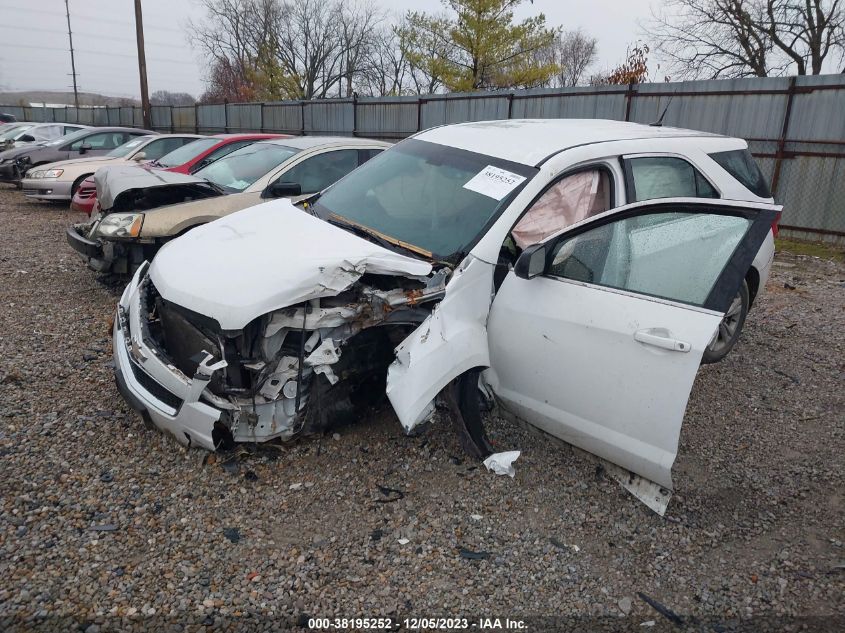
309,142
136,130
532,141
249,135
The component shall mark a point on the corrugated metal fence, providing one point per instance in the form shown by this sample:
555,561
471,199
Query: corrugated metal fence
795,126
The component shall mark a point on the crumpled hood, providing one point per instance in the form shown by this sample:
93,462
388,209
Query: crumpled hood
264,258
113,180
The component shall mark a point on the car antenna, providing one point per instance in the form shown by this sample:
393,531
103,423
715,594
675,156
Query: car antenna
659,122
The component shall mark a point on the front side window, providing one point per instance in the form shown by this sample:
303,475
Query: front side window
569,200
653,177
437,198
741,165
672,255
318,172
241,168
103,140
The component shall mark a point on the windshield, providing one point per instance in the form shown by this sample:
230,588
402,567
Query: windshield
187,152
241,168
14,132
128,147
435,197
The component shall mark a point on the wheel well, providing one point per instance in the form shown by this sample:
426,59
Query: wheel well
752,278
78,182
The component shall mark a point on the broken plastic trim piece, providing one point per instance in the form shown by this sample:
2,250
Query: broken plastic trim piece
655,496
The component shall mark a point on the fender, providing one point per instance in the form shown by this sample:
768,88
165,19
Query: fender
451,341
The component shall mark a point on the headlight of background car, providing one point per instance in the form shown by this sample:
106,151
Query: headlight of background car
121,225
46,173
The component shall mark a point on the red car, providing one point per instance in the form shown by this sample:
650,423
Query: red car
185,160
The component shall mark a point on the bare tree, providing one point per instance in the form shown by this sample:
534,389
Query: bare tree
806,31
232,35
359,29
740,38
385,70
712,38
165,97
573,52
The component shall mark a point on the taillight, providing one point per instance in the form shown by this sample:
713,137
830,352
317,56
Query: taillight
775,225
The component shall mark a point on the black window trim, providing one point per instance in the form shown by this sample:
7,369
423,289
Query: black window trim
631,189
719,298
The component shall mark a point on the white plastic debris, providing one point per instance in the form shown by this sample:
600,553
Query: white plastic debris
502,463
647,623
295,486
403,541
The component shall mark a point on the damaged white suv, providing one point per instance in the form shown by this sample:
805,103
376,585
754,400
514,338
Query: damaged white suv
574,271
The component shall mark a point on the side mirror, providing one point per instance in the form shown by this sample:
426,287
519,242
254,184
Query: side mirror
85,147
282,190
139,157
531,263
26,138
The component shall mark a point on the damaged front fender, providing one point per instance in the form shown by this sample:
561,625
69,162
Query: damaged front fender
451,341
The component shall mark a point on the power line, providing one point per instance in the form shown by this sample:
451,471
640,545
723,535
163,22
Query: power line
93,35
105,53
93,18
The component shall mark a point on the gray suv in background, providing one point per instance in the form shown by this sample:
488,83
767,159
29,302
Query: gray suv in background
89,142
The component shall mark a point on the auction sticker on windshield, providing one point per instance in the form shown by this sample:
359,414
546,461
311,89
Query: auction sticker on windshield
494,182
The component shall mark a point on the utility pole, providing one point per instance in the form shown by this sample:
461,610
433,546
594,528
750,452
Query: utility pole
72,62
142,65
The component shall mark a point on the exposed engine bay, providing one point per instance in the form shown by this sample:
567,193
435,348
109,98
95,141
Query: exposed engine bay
301,369
147,198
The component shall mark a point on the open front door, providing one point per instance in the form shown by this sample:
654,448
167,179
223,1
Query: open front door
598,333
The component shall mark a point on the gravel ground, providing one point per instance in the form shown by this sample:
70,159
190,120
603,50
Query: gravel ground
106,525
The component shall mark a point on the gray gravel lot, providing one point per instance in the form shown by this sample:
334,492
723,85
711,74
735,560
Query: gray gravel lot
107,525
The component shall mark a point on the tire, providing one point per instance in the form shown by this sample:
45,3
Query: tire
465,406
730,328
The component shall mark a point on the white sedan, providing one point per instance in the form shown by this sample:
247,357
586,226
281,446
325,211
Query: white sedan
575,272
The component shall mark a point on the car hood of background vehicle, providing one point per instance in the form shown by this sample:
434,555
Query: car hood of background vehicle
264,258
65,164
113,180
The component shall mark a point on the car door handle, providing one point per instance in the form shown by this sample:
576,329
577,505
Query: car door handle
659,337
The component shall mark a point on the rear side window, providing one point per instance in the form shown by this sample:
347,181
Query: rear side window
740,164
652,177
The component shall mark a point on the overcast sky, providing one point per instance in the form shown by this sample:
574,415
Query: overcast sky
34,44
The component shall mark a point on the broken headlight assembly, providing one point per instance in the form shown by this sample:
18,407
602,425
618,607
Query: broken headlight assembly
121,225
47,173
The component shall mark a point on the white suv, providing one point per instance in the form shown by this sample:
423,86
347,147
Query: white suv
576,271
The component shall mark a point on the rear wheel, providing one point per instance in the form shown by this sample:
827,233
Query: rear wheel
730,327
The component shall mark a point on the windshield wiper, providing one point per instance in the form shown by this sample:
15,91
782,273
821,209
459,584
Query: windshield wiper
362,232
